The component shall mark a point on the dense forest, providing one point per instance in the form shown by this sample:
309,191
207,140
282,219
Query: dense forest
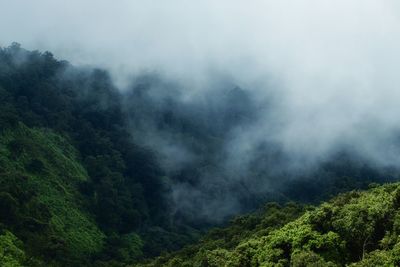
91,175
353,229
74,188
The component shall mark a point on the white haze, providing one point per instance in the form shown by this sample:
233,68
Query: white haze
335,64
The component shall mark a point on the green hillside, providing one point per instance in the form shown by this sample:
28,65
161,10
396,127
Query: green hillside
86,180
40,175
359,228
75,189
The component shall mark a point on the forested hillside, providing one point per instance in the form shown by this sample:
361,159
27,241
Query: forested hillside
91,175
75,189
354,229
40,175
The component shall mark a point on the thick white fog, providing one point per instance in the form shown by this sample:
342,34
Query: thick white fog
332,66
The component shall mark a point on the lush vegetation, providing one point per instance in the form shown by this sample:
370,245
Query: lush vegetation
39,197
81,185
356,229
74,188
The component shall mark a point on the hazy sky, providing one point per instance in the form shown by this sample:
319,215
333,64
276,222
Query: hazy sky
336,62
298,38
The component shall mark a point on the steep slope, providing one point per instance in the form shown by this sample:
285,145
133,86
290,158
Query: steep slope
103,204
355,228
79,186
40,202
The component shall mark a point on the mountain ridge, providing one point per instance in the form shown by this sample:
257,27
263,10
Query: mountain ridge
81,186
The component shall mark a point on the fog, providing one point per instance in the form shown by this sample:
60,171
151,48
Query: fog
321,75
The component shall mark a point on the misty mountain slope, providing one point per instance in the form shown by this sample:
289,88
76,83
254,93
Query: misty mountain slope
191,136
117,176
131,129
218,168
121,186
359,228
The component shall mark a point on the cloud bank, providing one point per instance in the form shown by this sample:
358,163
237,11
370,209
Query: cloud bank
331,68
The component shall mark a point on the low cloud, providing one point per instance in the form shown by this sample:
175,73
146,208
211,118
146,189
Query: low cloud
321,76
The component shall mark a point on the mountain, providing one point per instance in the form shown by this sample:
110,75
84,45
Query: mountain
91,175
358,228
75,189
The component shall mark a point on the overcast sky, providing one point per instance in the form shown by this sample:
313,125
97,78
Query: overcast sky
337,62
295,37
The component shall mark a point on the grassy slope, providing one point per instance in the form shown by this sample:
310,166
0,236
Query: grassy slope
45,164
356,228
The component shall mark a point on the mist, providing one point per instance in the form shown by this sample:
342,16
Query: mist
320,77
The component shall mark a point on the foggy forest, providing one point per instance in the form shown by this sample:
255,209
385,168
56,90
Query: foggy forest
208,133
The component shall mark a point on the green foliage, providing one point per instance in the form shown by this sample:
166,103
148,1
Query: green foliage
11,251
306,258
356,229
130,249
225,246
39,191
70,176
75,190
123,188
